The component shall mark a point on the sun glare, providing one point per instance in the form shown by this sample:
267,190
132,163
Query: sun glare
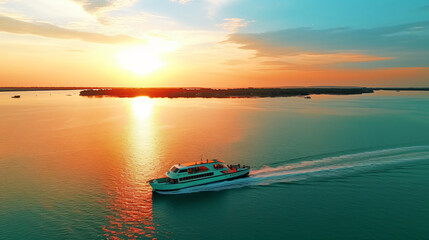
143,60
140,60
142,107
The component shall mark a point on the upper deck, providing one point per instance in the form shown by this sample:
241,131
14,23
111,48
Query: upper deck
191,164
192,168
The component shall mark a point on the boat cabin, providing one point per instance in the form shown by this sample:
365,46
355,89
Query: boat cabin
198,170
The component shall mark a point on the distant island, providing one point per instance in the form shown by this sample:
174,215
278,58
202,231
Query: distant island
219,93
232,92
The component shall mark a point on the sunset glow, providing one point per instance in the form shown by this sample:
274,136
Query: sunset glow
140,60
145,59
211,43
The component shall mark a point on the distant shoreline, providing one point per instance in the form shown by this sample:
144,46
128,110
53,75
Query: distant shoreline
26,89
233,92
211,92
218,93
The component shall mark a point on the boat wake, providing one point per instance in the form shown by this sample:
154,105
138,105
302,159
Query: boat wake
326,167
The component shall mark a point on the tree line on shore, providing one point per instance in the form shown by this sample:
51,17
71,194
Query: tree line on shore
220,93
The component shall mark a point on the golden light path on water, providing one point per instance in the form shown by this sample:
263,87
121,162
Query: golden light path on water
131,214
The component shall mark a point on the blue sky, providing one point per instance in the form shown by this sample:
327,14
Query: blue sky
271,15
277,14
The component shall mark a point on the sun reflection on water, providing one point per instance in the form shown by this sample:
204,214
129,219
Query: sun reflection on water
142,107
143,146
130,211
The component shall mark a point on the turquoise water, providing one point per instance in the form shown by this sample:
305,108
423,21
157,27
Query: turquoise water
333,167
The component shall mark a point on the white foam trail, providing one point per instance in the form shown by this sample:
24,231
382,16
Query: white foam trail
324,167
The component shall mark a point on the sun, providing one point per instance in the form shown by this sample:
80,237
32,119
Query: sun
143,60
140,60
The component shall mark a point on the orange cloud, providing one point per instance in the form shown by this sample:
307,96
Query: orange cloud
399,77
11,25
313,61
233,24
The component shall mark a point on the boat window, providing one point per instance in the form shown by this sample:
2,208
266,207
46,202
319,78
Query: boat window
174,169
196,176
183,170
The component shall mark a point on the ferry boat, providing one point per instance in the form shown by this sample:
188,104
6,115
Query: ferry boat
187,175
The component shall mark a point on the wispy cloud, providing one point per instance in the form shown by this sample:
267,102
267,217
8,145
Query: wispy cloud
100,6
316,61
233,24
413,36
406,42
214,5
181,1
11,25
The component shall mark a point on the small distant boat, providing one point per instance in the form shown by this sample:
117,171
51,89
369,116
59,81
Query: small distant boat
307,97
16,96
187,175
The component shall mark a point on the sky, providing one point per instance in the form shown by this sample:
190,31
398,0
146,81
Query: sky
214,43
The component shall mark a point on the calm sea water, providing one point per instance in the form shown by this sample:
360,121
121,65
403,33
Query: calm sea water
333,167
